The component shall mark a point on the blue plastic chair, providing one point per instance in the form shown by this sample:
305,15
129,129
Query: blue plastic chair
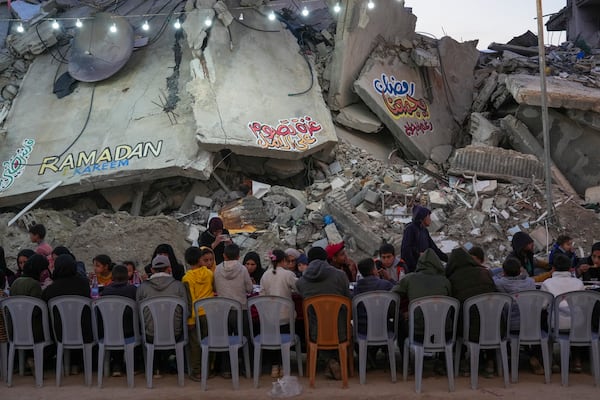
161,310
270,310
436,310
376,307
580,305
18,312
494,322
217,310
531,304
70,309
111,309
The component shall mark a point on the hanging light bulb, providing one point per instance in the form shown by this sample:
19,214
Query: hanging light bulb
55,25
145,26
78,23
208,21
271,16
20,28
337,8
305,12
113,28
241,18
177,24
370,5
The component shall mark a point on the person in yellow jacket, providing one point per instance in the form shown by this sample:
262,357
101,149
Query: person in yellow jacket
198,282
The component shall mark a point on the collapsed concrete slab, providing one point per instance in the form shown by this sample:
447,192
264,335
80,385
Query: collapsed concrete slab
572,145
359,30
495,162
360,118
254,92
112,133
422,107
561,93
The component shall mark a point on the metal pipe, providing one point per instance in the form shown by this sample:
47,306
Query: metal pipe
34,202
544,104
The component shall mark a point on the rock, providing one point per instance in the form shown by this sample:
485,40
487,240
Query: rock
483,96
335,167
539,237
438,218
592,195
486,187
477,218
487,204
483,131
437,199
424,58
333,235
359,197
201,201
284,168
338,183
440,154
360,118
193,233
372,197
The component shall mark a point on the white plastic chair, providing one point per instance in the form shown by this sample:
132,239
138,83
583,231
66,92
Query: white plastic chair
531,305
435,310
3,351
162,310
217,310
70,310
18,312
494,322
111,310
379,331
270,309
581,308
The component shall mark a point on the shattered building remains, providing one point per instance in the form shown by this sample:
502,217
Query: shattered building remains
237,113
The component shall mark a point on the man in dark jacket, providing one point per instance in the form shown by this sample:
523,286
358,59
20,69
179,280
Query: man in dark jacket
322,278
523,246
416,238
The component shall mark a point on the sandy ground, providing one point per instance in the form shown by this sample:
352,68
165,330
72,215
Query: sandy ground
378,386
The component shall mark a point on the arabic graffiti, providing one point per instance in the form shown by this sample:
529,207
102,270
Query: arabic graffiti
390,85
13,168
401,102
417,128
292,134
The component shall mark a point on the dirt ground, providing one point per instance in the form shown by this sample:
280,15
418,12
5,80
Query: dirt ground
378,386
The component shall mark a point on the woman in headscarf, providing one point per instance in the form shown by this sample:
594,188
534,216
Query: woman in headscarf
416,238
22,258
216,237
178,270
254,266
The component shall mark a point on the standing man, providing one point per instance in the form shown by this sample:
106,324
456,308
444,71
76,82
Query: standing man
416,239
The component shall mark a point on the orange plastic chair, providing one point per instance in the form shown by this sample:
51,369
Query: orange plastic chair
325,307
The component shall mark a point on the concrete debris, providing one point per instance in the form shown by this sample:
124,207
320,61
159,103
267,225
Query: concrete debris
360,118
483,131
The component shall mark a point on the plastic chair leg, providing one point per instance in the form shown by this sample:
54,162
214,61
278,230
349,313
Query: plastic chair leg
474,350
246,351
235,370
38,356
298,348
362,361
595,364
565,350
60,352
87,363
343,350
101,352
546,360
514,359
205,354
312,368
11,364
149,364
392,357
180,358
257,363
418,350
504,356
129,364
449,369
405,357
285,359
107,364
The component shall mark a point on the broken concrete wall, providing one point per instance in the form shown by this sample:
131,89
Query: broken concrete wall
128,138
423,106
572,145
254,92
583,22
359,31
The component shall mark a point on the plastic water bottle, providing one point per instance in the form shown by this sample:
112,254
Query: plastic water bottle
95,293
136,279
401,274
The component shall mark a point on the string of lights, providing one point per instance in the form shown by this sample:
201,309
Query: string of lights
58,22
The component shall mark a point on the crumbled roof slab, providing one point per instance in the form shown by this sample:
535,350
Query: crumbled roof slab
561,93
128,138
244,92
